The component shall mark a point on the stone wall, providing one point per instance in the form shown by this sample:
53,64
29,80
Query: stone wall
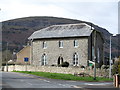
53,51
53,69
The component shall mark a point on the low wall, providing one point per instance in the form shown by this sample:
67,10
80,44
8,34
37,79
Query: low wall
53,69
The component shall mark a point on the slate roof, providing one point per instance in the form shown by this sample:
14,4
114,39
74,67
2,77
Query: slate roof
66,30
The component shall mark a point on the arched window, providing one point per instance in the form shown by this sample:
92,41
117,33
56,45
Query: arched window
93,53
44,59
75,59
98,55
60,60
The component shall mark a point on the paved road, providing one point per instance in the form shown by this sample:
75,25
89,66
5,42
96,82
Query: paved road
20,80
0,80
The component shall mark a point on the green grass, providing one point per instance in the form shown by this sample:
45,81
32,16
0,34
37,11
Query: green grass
64,76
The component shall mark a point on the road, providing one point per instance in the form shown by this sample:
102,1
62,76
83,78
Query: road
0,80
20,80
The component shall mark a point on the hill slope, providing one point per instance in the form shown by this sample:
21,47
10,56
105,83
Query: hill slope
16,31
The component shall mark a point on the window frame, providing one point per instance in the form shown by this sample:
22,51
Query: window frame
98,55
44,45
44,60
75,59
75,42
60,44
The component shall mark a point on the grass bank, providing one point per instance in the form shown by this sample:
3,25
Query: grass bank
64,76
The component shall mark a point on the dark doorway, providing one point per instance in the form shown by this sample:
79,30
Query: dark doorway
60,60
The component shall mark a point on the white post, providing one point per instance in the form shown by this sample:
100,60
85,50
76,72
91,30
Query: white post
25,66
95,55
110,60
31,52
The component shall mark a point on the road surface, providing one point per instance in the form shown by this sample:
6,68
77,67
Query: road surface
0,80
20,80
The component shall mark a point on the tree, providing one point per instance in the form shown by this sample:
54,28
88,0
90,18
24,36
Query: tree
116,67
6,56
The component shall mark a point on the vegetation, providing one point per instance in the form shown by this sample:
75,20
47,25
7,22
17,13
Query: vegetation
116,67
64,76
65,64
6,56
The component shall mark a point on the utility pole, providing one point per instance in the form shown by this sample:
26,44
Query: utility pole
6,57
14,58
94,50
95,55
31,51
110,59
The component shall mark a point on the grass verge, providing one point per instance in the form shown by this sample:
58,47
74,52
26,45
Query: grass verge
64,76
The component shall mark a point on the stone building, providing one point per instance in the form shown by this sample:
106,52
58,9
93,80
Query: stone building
74,43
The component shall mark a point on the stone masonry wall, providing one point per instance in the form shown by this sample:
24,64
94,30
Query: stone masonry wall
53,69
53,51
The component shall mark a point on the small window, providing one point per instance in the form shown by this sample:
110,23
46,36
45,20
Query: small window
44,45
75,43
93,52
98,55
75,59
44,60
60,44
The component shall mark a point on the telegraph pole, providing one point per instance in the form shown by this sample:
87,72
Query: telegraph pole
95,55
6,57
110,60
94,48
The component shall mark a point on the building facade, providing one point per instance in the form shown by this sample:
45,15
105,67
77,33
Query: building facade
72,43
24,53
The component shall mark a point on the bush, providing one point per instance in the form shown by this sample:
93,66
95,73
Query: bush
82,66
116,67
53,65
65,64
105,67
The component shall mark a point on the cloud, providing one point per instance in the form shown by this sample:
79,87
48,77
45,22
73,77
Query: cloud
100,12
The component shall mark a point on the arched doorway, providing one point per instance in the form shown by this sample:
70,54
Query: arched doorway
60,60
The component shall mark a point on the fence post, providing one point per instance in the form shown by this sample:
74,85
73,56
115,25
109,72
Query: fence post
116,80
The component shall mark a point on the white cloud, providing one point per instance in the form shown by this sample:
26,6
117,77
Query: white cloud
100,12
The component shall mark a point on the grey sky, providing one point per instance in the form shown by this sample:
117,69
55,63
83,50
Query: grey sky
103,13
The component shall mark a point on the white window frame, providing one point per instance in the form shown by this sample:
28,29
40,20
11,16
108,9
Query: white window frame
60,44
98,55
75,59
44,44
93,50
75,43
44,60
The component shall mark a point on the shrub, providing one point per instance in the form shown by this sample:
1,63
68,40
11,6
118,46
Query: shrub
53,65
105,67
82,66
65,64
116,67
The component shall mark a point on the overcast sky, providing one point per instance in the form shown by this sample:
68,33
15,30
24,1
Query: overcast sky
103,13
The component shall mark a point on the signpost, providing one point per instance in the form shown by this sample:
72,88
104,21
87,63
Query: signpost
91,63
26,59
